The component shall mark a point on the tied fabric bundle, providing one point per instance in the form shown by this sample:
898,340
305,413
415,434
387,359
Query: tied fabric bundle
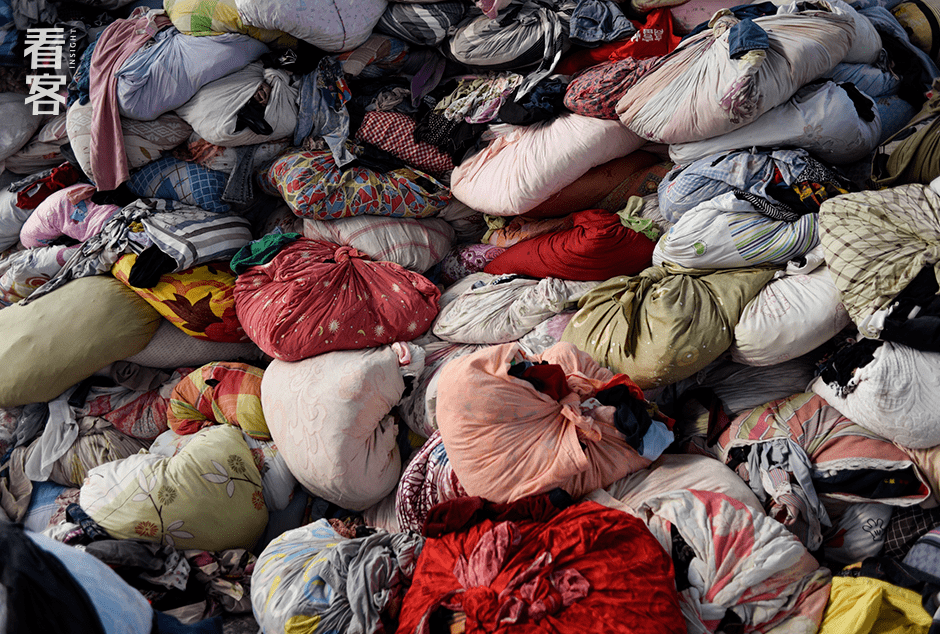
226,393
598,247
506,439
313,297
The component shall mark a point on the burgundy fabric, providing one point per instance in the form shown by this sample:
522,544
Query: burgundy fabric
595,91
60,177
584,567
394,132
598,247
314,297
464,259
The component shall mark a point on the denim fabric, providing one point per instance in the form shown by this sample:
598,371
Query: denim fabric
746,36
322,111
596,22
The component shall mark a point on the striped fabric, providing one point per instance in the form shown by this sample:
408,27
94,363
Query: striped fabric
421,24
760,239
838,450
416,244
194,236
876,242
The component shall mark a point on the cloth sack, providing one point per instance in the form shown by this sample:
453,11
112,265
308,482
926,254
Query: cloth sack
701,90
64,337
313,187
163,76
876,242
506,440
328,26
599,246
835,122
314,297
730,232
329,415
798,311
144,141
500,309
69,212
666,323
525,166
310,578
895,395
219,393
412,243
213,110
200,301
182,501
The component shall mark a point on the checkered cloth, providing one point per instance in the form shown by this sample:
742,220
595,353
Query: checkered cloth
394,133
876,242
172,179
908,524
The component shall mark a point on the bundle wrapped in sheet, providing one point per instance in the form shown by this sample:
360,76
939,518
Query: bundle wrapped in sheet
164,75
182,501
799,453
503,308
876,242
416,244
69,212
330,417
666,323
730,232
729,74
313,297
311,577
598,246
798,311
429,479
525,166
219,393
738,566
896,395
213,110
533,567
314,187
835,122
326,25
506,439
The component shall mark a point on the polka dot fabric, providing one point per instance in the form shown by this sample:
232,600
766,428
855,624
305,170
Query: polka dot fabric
315,297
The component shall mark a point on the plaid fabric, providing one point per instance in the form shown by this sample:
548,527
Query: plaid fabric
224,393
394,132
172,179
908,524
876,242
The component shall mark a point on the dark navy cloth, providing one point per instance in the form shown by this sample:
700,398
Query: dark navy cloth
596,22
746,36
